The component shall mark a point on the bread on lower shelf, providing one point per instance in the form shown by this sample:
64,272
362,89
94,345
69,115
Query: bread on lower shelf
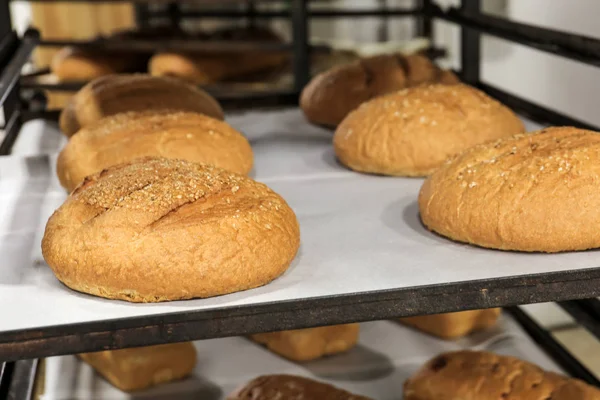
312,343
454,325
288,387
142,367
471,375
113,94
128,136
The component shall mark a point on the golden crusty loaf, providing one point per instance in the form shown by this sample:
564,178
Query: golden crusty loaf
412,132
127,136
530,192
142,367
330,96
469,375
311,343
288,387
161,229
76,64
113,94
454,325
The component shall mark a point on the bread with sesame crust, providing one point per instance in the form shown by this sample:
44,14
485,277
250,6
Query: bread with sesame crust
535,192
113,94
454,325
480,375
160,229
143,367
127,136
330,96
413,131
288,387
311,343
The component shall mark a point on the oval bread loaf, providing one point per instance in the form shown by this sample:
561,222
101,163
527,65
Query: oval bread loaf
127,136
456,324
113,94
160,229
330,96
471,375
530,192
413,131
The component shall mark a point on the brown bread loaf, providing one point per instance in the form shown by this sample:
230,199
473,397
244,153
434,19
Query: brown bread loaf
454,325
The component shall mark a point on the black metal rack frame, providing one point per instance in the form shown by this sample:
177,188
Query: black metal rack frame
569,288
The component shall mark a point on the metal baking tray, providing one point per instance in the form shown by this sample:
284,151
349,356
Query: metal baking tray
364,256
387,354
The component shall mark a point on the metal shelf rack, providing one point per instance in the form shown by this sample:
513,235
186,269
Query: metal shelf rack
575,291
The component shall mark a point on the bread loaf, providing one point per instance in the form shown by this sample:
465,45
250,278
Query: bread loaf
288,387
330,96
210,67
312,343
127,136
454,325
469,375
113,94
142,367
411,132
76,64
531,192
160,229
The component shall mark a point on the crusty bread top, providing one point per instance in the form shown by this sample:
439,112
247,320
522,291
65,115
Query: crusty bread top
112,94
160,229
288,387
531,192
331,95
412,131
126,136
478,375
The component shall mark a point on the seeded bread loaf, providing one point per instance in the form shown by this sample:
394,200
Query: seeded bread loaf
288,387
311,343
470,375
113,94
413,131
330,96
142,367
128,136
454,325
160,229
535,192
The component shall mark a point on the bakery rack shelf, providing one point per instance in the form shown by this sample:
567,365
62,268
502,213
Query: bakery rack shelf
573,288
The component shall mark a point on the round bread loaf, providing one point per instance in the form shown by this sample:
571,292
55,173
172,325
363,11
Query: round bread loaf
412,132
531,192
161,229
330,96
127,136
75,64
113,94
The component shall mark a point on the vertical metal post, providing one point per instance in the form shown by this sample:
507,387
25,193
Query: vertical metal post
424,23
142,15
300,36
470,45
174,14
251,13
11,103
384,23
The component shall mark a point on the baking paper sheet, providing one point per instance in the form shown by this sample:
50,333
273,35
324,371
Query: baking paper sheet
360,233
386,356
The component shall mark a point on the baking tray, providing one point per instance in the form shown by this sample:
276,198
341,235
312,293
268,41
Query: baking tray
387,354
364,256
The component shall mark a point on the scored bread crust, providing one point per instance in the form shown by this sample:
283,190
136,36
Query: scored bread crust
127,136
456,324
160,229
535,192
411,132
465,375
113,94
142,367
330,96
269,387
311,343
